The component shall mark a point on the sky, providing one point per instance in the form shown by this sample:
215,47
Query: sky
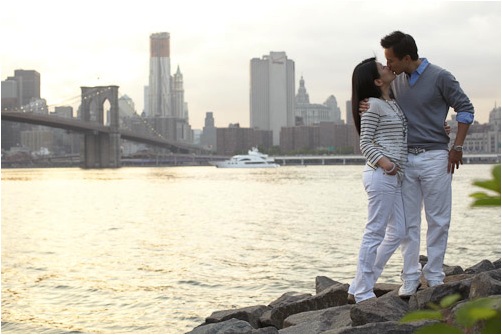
106,42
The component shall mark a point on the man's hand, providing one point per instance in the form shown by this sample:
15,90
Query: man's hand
454,160
363,106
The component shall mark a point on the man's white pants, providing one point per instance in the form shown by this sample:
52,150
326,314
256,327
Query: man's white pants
426,181
383,233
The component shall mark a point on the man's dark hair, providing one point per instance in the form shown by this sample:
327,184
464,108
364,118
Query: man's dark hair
402,44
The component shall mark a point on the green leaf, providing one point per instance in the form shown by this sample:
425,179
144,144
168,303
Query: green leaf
488,184
476,310
488,201
483,199
421,315
450,300
492,326
438,328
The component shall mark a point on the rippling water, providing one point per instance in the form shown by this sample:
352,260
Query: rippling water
156,250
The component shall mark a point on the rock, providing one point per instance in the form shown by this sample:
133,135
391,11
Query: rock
485,284
250,314
422,298
455,278
232,326
328,312
333,296
322,283
387,327
316,322
284,300
382,288
452,270
288,298
484,265
389,307
496,264
266,330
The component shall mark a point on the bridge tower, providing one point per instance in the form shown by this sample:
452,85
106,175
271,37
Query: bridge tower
99,149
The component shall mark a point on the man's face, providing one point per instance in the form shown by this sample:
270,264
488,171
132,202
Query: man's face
395,64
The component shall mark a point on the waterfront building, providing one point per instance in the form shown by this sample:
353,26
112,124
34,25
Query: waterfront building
236,140
481,138
308,114
299,138
272,93
332,137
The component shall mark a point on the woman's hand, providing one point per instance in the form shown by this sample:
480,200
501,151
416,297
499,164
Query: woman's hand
388,166
447,128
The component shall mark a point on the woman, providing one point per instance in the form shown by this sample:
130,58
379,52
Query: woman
382,129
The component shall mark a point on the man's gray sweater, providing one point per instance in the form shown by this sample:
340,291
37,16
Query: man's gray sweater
426,105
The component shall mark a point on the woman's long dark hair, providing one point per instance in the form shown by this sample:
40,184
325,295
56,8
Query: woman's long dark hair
363,86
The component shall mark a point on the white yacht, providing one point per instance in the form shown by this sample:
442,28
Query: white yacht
254,159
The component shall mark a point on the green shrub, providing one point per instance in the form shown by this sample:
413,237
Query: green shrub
476,316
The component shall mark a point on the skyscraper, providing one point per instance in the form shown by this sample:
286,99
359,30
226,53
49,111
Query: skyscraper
159,88
272,93
178,96
22,89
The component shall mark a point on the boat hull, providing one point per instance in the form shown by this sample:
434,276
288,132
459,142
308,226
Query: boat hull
228,165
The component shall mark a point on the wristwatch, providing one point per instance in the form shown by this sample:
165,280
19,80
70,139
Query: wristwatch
458,148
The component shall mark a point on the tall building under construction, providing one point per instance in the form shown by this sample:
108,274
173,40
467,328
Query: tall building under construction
158,99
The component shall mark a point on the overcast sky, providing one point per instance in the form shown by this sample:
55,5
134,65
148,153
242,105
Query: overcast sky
89,43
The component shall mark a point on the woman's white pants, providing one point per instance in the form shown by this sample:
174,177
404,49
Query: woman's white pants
383,233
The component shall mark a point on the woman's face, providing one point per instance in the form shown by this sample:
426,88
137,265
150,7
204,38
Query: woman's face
386,75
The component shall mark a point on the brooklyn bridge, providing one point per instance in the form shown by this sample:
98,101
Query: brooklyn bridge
101,141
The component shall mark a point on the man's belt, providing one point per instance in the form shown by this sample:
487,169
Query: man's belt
415,150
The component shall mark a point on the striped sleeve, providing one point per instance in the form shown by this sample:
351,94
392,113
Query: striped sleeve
369,125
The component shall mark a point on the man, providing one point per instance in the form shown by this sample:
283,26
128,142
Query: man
425,93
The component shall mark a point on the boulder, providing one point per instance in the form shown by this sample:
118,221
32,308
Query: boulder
382,288
333,296
322,283
452,270
328,312
232,326
389,307
484,265
423,298
250,314
316,322
485,284
387,327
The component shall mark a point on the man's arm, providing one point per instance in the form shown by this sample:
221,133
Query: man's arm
456,152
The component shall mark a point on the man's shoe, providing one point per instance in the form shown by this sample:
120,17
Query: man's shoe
409,288
432,283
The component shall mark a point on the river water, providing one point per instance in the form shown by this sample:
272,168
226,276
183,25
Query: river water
156,250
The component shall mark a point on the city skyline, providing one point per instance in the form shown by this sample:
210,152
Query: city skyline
214,42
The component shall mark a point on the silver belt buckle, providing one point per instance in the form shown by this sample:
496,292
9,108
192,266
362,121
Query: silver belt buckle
416,150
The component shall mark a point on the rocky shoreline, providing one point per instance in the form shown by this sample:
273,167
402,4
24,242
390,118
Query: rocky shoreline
329,312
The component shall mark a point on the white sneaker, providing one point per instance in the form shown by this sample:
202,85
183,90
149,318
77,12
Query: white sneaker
409,288
432,283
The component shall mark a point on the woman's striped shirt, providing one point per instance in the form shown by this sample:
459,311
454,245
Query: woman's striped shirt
384,133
